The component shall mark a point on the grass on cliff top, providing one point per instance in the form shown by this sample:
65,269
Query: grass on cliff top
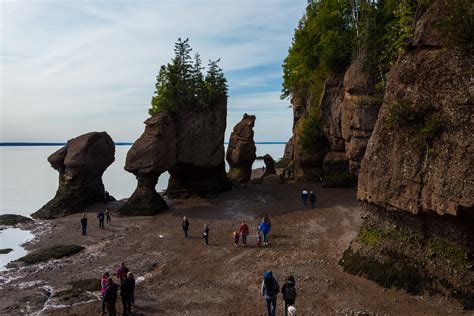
55,252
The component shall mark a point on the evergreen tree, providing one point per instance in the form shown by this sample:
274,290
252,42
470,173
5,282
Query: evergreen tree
216,84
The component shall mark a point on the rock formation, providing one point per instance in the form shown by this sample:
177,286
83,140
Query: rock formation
151,155
80,163
241,152
416,181
200,167
269,166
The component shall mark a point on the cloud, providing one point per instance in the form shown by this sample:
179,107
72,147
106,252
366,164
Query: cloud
73,66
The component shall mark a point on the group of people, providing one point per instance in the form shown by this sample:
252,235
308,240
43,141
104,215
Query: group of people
109,291
101,216
270,290
241,234
308,196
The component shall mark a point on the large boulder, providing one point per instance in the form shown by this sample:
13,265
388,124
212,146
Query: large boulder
151,155
241,152
200,167
81,164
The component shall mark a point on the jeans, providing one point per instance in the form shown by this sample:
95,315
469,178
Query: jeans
101,224
287,304
305,201
265,238
206,240
126,305
244,239
313,204
185,233
84,229
271,306
111,309
109,220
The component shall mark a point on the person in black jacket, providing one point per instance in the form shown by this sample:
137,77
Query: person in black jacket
185,226
110,297
289,293
125,294
84,224
205,234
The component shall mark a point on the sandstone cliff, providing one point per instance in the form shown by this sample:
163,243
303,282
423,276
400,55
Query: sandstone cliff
80,163
416,182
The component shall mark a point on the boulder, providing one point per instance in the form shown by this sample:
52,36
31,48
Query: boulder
241,152
13,220
269,166
80,163
200,166
153,153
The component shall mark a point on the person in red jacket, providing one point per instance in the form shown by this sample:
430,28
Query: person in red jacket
244,231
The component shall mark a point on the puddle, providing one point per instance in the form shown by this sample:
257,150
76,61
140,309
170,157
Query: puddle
13,238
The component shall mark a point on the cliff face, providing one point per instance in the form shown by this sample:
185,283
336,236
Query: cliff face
416,182
199,167
348,107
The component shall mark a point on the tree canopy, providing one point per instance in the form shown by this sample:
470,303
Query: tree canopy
182,84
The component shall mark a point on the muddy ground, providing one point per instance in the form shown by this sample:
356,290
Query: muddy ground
178,276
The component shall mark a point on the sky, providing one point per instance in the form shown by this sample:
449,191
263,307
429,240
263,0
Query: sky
69,67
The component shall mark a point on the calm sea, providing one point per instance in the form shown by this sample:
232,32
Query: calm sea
28,182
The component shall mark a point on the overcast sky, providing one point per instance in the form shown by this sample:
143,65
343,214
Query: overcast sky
70,67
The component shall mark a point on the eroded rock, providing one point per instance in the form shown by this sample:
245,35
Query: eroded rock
241,151
153,153
269,166
81,164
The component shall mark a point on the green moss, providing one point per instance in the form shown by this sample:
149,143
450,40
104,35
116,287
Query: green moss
55,252
343,180
456,254
398,274
370,235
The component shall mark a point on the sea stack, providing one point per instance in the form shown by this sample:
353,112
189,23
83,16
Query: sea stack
200,167
241,152
269,165
151,155
80,163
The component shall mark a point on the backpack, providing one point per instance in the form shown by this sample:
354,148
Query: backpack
270,287
290,293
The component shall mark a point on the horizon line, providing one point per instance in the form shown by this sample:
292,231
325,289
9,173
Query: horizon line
32,144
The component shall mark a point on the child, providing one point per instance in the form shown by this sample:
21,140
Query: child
259,238
103,284
236,238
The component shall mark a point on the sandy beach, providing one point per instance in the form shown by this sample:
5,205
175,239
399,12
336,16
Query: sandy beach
178,276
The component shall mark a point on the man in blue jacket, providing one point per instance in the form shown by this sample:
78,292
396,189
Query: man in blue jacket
265,228
270,290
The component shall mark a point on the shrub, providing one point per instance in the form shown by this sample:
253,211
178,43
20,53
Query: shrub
312,133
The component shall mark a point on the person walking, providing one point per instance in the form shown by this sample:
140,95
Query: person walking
122,271
244,231
103,285
110,297
289,293
265,228
132,287
205,234
270,290
106,198
312,199
185,225
101,217
125,293
236,237
107,216
304,197
84,224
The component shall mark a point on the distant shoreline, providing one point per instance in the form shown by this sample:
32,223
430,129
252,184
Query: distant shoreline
30,144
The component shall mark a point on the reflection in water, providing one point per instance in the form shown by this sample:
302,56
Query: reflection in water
12,238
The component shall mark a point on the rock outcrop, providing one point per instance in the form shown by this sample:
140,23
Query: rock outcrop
200,167
151,155
416,182
80,163
269,166
241,151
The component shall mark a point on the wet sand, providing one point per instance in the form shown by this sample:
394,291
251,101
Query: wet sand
178,276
